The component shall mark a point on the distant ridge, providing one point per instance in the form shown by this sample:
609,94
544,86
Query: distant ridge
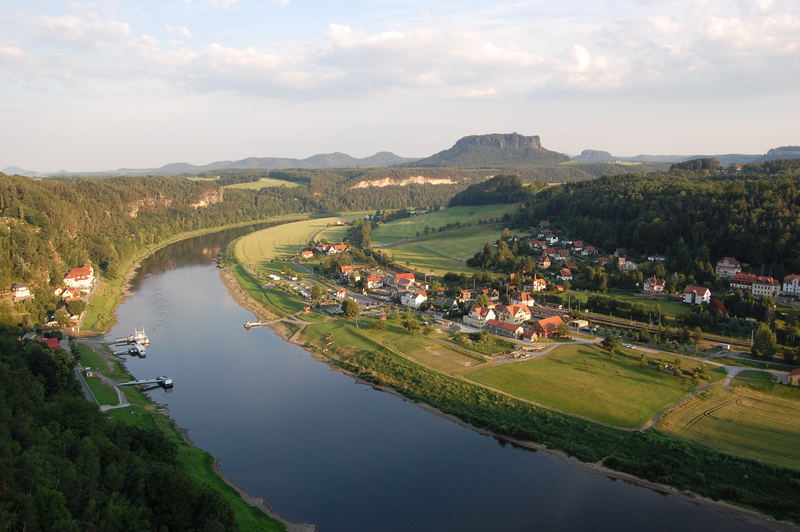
597,156
495,150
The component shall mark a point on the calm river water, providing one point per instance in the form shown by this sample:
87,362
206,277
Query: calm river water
327,450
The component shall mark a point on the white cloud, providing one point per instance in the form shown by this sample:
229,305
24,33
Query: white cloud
80,31
480,93
13,52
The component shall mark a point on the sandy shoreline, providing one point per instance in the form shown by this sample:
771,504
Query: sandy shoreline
751,517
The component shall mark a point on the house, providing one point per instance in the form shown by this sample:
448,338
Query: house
656,258
548,326
67,294
529,334
400,276
589,250
413,299
307,254
464,296
341,294
445,304
405,284
508,330
578,324
696,295
562,254
373,281
521,298
626,265
791,284
544,223
81,278
766,286
20,291
551,252
543,262
571,265
551,239
513,313
654,285
794,377
727,267
478,316
539,244
564,274
577,246
491,293
603,261
345,271
537,285
743,281
52,343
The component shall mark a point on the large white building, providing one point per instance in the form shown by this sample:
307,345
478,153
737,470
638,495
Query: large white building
791,284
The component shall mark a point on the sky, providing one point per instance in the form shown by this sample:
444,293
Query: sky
141,83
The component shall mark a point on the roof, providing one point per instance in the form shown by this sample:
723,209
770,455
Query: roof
83,271
791,277
655,281
729,261
502,325
795,372
564,272
345,269
577,244
697,290
767,280
550,324
340,247
514,309
481,311
52,343
372,278
408,275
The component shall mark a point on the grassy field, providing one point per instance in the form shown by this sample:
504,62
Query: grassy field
753,418
586,381
409,227
264,182
286,239
444,252
670,308
349,340
280,302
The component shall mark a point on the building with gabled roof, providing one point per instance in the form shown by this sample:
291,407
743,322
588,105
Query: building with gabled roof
696,295
478,316
548,326
727,267
508,330
80,278
791,284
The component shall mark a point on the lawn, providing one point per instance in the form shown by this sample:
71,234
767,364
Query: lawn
411,227
669,307
444,252
349,340
583,380
278,301
282,240
104,394
753,418
264,182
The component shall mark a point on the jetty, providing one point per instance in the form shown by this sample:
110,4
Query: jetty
136,350
251,324
163,381
138,337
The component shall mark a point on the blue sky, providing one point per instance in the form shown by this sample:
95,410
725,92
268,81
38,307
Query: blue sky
101,85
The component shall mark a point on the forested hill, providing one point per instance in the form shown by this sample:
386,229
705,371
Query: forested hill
753,214
64,466
499,189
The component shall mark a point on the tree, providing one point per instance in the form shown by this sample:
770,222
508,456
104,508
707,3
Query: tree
350,308
611,342
62,317
563,330
76,307
765,343
380,325
316,292
411,325
697,337
482,300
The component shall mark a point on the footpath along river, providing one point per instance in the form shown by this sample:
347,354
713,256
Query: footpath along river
327,450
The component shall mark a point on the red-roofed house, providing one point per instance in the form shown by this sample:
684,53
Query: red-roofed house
509,330
696,295
577,245
564,274
306,254
791,284
766,286
413,299
52,343
743,281
543,262
537,285
794,377
589,250
562,254
654,285
80,278
523,298
548,326
373,281
544,223
513,313
551,252
345,270
478,316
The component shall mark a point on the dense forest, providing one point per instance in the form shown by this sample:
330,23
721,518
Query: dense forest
691,216
499,189
64,466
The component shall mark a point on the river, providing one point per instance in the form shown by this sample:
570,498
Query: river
327,450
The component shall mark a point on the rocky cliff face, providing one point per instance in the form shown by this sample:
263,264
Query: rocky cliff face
209,197
783,152
159,200
500,141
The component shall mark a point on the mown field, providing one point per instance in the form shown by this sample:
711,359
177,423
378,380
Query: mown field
444,252
753,418
669,308
264,182
285,239
586,381
428,351
411,227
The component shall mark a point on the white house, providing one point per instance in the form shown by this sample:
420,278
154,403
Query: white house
515,314
696,295
413,299
81,278
564,274
478,316
791,284
727,267
654,285
766,286
20,291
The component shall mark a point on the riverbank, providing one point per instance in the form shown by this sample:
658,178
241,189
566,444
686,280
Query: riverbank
639,449
111,292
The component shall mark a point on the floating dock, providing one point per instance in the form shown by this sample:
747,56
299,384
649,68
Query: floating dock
163,381
138,337
251,324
